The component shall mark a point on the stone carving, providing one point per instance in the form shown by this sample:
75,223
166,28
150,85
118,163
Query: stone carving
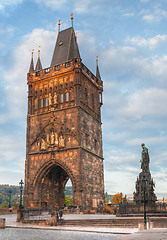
48,140
50,99
52,137
43,144
144,159
56,139
55,98
61,141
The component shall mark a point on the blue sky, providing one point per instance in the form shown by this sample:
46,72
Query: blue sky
130,38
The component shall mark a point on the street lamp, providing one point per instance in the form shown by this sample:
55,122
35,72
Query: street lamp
10,192
106,197
144,180
21,193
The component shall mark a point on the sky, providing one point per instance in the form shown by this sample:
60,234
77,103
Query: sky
130,39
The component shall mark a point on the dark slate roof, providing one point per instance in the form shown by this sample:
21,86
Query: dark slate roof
98,73
38,65
66,48
31,69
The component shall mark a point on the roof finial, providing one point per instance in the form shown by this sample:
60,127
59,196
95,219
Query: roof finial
59,25
97,60
72,19
39,51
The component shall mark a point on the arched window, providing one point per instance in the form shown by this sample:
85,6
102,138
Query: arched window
41,103
100,98
62,98
67,96
46,101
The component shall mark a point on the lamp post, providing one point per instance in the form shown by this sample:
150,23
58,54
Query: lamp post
144,180
106,197
10,192
21,193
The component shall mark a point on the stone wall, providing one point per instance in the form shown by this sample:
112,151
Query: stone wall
2,222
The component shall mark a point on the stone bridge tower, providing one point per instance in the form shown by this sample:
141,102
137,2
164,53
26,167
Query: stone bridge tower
64,136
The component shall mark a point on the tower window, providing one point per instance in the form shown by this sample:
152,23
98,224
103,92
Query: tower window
57,67
67,96
100,98
46,101
62,98
93,102
95,144
86,95
41,103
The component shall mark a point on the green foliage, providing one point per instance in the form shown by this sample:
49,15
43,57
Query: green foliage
15,195
68,200
4,195
68,191
4,204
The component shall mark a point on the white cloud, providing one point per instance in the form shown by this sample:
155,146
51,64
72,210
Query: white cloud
54,4
156,16
147,102
128,14
7,3
151,43
12,142
81,7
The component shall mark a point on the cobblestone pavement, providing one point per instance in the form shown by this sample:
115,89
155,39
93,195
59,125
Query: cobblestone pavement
21,231
152,234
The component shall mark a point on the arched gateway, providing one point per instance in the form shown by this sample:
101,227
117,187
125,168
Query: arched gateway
64,137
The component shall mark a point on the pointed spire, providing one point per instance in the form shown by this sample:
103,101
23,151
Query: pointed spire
38,65
31,69
59,25
66,48
97,69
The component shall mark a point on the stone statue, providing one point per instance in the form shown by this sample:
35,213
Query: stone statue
50,99
52,138
43,144
55,98
48,141
144,159
61,141
56,139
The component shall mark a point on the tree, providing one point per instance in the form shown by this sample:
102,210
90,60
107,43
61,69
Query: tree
68,200
4,204
117,198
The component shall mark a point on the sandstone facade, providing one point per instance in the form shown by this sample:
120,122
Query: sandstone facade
64,135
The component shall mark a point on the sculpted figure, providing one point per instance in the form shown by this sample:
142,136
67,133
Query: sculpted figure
61,141
56,139
43,144
55,98
48,141
144,159
50,99
52,138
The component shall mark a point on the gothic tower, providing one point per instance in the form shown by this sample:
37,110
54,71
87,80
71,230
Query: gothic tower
64,135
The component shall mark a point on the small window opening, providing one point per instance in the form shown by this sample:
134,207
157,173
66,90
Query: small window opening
67,96
62,98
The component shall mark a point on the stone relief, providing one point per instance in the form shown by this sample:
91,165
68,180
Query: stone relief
52,137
